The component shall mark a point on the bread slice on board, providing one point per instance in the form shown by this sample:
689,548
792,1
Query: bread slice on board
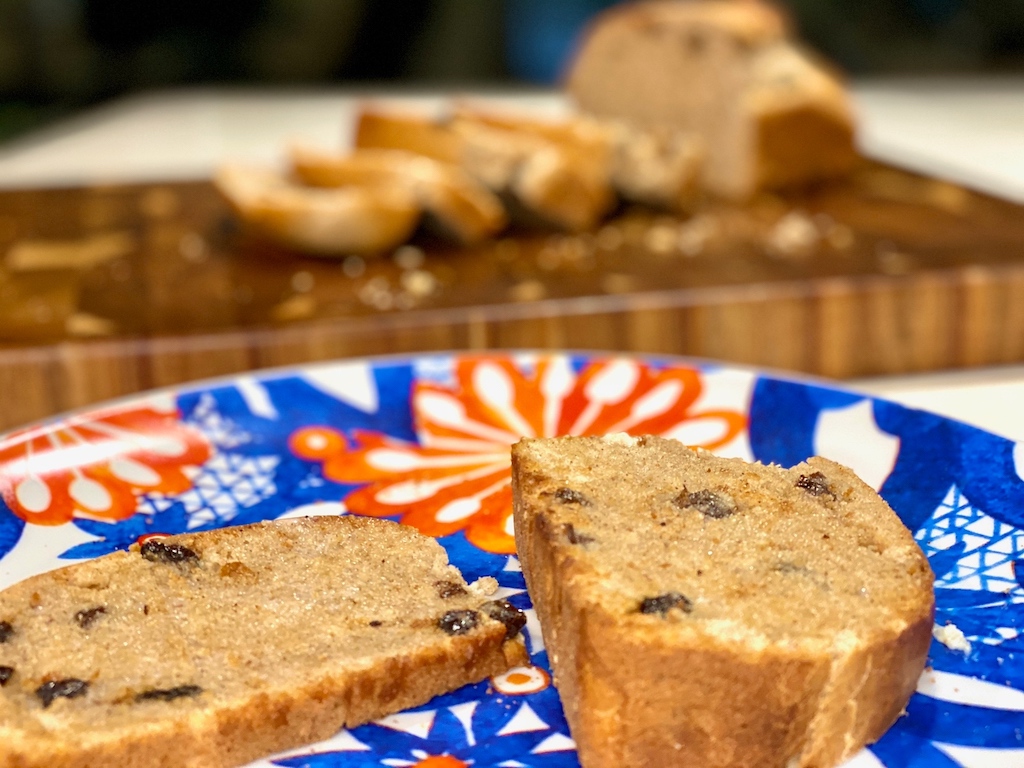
553,181
769,114
216,648
456,204
328,222
710,612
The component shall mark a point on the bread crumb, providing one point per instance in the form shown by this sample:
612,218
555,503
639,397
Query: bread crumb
192,247
793,236
297,307
695,234
484,586
409,257
528,290
303,282
353,266
609,238
159,203
84,253
617,282
951,636
86,324
661,238
419,282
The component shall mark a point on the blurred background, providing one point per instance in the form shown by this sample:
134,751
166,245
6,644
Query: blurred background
57,56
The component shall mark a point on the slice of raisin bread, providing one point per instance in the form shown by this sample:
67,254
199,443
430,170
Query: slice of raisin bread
707,611
770,115
215,648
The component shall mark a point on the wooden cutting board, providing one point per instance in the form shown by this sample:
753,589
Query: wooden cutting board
106,291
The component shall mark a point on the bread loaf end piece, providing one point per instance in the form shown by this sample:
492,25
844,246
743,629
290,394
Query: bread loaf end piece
708,611
769,114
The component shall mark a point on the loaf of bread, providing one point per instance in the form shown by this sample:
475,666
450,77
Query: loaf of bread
768,113
216,648
711,612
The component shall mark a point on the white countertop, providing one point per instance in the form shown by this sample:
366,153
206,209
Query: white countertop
967,130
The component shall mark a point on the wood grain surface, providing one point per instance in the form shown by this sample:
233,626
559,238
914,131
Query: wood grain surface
105,291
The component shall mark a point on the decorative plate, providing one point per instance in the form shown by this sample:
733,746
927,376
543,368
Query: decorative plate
424,440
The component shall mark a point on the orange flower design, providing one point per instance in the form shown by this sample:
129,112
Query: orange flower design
441,761
458,477
95,465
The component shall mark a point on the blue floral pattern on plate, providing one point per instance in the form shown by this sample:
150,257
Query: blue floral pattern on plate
305,441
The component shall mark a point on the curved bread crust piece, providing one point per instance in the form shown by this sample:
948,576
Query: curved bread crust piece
329,222
459,206
707,611
216,648
769,114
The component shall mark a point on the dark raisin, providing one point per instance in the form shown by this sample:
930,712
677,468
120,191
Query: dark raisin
170,694
87,618
503,611
569,496
156,551
376,623
575,537
458,622
446,589
708,503
6,630
5,674
815,484
69,688
664,603
787,567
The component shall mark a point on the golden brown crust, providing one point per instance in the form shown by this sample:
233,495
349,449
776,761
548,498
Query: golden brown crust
236,728
461,207
639,692
330,222
555,174
272,722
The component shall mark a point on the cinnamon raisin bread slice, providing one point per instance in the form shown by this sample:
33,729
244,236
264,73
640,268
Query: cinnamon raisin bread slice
706,611
216,648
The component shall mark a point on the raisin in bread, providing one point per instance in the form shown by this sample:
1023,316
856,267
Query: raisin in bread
706,611
215,648
769,114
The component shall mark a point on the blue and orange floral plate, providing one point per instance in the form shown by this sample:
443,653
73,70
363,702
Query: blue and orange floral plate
425,440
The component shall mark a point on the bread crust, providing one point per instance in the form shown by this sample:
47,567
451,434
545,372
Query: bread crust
329,222
554,175
652,693
461,207
234,731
